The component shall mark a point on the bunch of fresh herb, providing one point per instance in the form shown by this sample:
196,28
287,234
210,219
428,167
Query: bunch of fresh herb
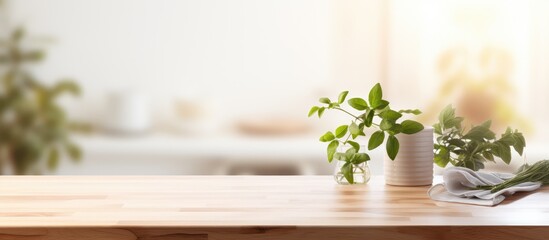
539,172
472,148
374,113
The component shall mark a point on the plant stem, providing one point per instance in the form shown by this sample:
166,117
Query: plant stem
345,111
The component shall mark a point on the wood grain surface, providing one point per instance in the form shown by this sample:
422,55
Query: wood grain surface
250,207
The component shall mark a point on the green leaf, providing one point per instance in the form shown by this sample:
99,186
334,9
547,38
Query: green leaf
341,131
375,96
355,130
507,139
457,142
313,111
53,159
488,156
347,170
342,97
360,158
73,151
520,143
354,144
376,139
437,129
411,127
390,115
392,147
442,157
332,105
321,111
479,133
412,111
487,124
324,100
448,113
350,153
331,150
369,118
453,123
382,104
358,104
504,152
339,156
328,136
395,129
66,86
385,125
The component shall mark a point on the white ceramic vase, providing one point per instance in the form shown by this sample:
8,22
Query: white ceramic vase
413,165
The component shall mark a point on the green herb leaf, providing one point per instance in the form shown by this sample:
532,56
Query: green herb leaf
488,156
520,143
342,97
350,152
392,147
354,144
437,129
369,118
457,142
324,100
313,110
321,111
385,125
480,132
382,105
328,136
411,127
347,170
331,150
341,131
339,156
487,124
412,111
376,139
332,105
448,113
360,158
358,104
390,115
355,130
442,156
375,96
504,152
395,129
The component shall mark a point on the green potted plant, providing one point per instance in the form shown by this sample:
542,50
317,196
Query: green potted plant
34,128
375,114
472,147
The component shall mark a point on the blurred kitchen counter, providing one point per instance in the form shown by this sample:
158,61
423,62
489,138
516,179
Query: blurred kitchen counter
164,153
173,154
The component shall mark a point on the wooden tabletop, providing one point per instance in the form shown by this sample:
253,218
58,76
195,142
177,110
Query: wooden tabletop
214,201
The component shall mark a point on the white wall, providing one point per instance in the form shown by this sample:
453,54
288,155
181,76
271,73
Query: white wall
241,53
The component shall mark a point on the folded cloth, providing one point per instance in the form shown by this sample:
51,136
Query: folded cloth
460,183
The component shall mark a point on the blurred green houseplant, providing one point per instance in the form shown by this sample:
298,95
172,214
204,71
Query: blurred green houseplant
34,129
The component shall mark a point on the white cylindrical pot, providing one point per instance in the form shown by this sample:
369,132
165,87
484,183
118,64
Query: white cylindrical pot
128,113
413,165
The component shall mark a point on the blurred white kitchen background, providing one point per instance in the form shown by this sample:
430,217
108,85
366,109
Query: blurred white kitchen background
224,87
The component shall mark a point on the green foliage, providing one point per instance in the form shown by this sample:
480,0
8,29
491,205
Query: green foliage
471,149
34,129
538,172
374,113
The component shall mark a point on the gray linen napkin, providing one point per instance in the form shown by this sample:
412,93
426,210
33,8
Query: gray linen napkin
459,184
